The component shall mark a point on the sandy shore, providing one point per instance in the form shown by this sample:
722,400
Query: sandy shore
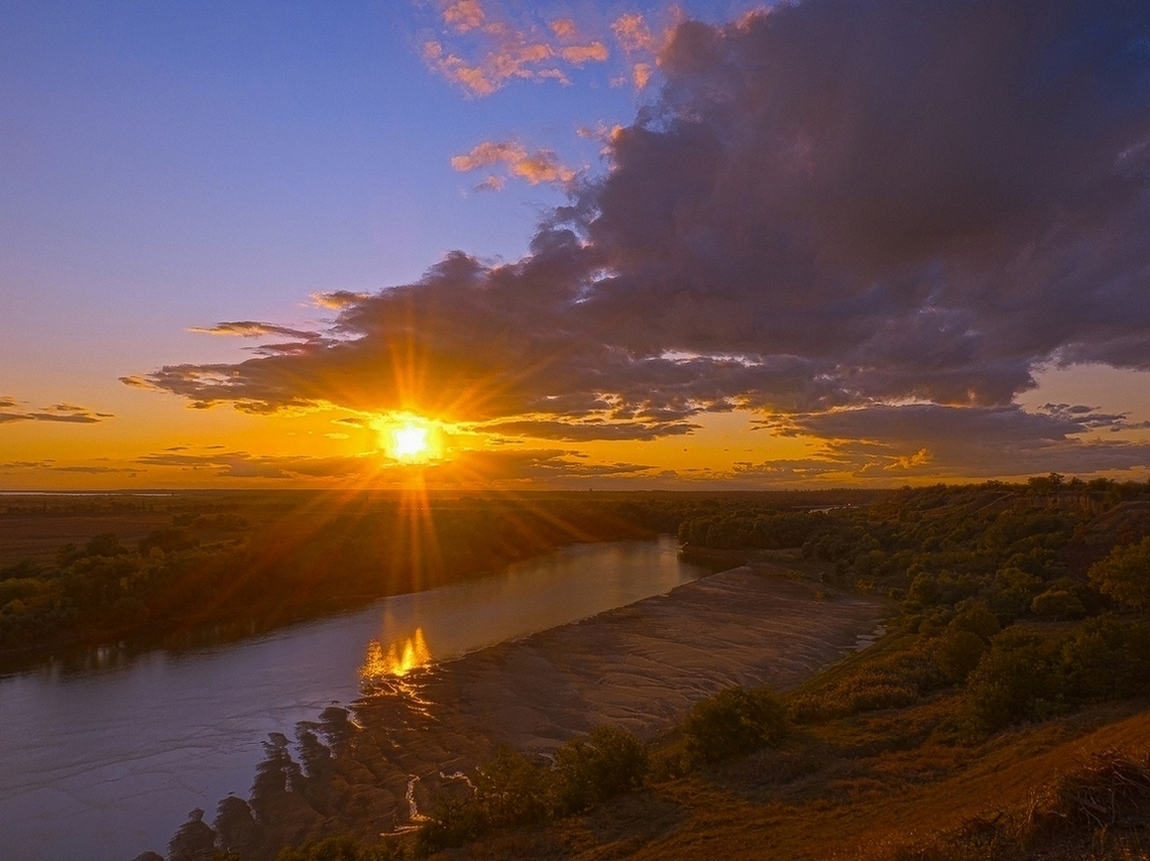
640,667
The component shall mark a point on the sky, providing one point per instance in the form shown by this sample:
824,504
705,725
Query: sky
610,245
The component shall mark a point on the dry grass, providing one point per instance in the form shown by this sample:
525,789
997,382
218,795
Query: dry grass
898,785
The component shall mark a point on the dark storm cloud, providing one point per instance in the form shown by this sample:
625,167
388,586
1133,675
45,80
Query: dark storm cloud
579,431
928,439
834,204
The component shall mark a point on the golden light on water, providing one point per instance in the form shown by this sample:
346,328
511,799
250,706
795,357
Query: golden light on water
399,658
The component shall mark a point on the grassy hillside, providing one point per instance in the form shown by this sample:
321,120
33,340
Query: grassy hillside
1004,717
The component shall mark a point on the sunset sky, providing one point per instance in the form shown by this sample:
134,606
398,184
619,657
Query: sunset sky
490,243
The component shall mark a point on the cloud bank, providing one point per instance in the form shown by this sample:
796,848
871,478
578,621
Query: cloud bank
869,220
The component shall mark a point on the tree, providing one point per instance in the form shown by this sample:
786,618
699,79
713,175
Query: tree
1124,574
594,769
957,653
734,721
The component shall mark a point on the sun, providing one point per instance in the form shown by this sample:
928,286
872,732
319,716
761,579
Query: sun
410,442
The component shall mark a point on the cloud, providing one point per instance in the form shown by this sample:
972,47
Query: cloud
464,15
336,299
968,442
467,468
481,47
857,217
96,470
253,329
506,54
641,44
241,464
591,429
50,464
65,413
525,465
536,167
579,55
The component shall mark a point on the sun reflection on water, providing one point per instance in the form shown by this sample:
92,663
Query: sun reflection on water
399,658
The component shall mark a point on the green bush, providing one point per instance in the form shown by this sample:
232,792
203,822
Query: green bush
591,770
1124,574
891,681
511,790
1015,680
734,721
452,822
957,653
1057,604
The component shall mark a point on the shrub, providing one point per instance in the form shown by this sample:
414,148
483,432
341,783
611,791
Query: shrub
734,721
1124,574
957,653
1057,604
1015,680
977,619
891,681
591,770
452,822
511,790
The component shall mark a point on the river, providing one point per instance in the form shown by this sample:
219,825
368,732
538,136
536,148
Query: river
103,763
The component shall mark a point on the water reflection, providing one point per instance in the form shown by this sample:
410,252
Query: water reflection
109,748
400,658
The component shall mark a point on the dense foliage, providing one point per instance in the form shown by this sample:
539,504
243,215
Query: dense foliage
732,722
1014,594
254,564
513,790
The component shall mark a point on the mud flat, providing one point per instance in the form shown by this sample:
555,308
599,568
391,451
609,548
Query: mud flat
640,667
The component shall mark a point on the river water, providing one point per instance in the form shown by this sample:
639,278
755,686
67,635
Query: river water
101,764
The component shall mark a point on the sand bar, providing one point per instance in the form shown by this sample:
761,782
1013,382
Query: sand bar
641,667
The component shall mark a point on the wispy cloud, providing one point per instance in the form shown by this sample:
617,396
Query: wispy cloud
11,411
464,15
539,166
483,46
641,44
468,467
253,329
50,464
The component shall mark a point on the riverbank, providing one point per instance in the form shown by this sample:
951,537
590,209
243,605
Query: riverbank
639,667
114,757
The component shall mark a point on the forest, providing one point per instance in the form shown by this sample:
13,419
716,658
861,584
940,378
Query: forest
214,565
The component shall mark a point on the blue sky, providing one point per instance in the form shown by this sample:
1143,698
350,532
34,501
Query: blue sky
166,167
